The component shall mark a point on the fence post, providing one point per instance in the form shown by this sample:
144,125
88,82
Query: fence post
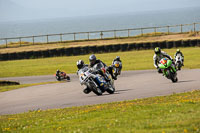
181,28
20,42
88,35
74,36
141,31
128,33
47,38
101,34
115,36
6,43
33,40
168,30
194,27
60,37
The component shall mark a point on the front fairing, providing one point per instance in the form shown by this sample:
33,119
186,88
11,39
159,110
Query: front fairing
165,65
169,63
100,81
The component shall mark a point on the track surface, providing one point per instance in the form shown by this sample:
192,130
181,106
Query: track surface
130,85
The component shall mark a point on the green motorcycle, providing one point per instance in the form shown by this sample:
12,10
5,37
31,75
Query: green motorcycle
168,69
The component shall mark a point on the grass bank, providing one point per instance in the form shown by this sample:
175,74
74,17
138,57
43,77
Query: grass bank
174,113
13,87
132,60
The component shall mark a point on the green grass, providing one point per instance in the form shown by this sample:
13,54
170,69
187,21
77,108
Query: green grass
174,113
12,87
132,60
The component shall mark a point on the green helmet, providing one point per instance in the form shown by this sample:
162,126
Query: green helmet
157,50
178,50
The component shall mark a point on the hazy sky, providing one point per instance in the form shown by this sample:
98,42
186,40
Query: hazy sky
21,9
122,5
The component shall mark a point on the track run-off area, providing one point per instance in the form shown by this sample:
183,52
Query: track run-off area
130,85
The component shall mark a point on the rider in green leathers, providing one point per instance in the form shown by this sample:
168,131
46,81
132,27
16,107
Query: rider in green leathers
158,56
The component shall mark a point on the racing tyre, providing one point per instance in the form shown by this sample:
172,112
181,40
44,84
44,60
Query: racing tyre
58,78
111,90
97,91
68,78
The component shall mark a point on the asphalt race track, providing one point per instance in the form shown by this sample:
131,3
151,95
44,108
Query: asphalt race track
130,85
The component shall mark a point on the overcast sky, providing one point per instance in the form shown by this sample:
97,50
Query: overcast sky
21,9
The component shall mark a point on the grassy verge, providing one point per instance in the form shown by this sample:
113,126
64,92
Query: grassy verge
12,87
174,113
132,60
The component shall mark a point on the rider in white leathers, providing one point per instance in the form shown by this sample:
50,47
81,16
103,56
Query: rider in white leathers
178,52
80,65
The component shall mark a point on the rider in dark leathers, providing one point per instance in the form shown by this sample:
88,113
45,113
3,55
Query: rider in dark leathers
93,60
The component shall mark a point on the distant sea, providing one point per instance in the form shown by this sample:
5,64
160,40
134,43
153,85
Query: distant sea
99,23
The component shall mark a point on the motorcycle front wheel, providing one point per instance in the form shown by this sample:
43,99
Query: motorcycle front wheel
96,89
58,78
173,77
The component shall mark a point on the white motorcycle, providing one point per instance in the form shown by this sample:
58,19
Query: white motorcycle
179,61
95,82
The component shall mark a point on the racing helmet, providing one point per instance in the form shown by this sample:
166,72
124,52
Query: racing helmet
58,71
117,58
80,64
92,59
178,50
157,50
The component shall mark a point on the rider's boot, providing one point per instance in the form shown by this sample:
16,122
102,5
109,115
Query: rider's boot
111,73
106,78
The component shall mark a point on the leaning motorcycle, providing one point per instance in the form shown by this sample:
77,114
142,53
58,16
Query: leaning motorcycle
117,66
179,61
168,69
61,76
95,82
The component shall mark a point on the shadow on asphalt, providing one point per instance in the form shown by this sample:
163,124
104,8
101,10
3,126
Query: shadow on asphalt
186,81
122,90
116,92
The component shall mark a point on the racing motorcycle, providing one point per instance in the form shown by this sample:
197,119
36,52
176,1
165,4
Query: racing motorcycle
117,66
168,69
61,76
179,61
96,82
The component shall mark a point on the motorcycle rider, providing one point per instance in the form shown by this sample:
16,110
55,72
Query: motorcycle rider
116,59
93,61
81,65
179,52
158,56
58,72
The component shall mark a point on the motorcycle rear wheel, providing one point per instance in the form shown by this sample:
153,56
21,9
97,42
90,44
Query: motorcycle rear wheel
68,78
173,78
111,89
97,91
